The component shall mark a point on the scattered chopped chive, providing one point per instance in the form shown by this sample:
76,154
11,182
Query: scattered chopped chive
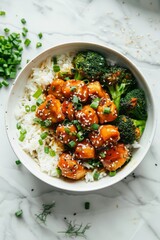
6,30
55,60
38,44
24,34
46,149
40,142
112,173
19,213
18,162
95,103
18,125
94,126
27,61
1,85
23,131
67,130
86,81
25,29
79,106
75,100
52,153
106,110
72,144
2,13
37,93
27,108
59,172
87,205
102,154
39,101
78,126
44,135
73,88
80,136
96,175
47,123
5,83
27,42
23,21
56,68
67,78
40,35
21,137
33,108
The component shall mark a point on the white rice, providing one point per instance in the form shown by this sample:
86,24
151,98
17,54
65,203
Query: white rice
40,78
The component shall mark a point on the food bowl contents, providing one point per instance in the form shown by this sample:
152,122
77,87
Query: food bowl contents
80,116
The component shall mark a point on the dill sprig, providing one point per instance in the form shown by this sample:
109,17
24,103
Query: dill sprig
47,209
74,229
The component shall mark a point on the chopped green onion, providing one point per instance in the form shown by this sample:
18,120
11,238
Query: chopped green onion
87,205
106,110
38,44
67,78
95,103
40,142
72,144
46,123
44,135
27,108
52,153
25,29
40,35
18,162
67,130
1,85
56,68
37,93
23,131
112,173
39,101
80,136
27,42
23,21
19,213
46,149
102,154
73,88
96,175
2,13
33,108
94,126
59,172
5,83
22,137
6,30
18,125
75,100
55,60
24,34
79,106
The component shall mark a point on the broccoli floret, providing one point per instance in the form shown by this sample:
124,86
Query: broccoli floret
89,65
134,104
130,129
119,81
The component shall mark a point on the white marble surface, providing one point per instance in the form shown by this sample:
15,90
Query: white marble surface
129,210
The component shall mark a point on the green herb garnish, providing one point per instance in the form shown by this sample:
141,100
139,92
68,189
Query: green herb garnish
56,68
37,93
95,103
72,144
112,173
94,126
18,162
87,205
44,135
40,35
106,110
2,13
23,21
19,213
38,44
27,42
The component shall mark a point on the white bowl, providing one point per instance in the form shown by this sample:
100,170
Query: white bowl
17,91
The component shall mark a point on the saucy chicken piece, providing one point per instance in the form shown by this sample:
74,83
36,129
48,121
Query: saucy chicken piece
50,109
86,116
68,110
66,133
76,88
106,111
104,136
85,150
115,157
70,168
95,90
56,88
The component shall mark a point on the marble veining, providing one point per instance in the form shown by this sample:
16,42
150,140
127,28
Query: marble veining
129,210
